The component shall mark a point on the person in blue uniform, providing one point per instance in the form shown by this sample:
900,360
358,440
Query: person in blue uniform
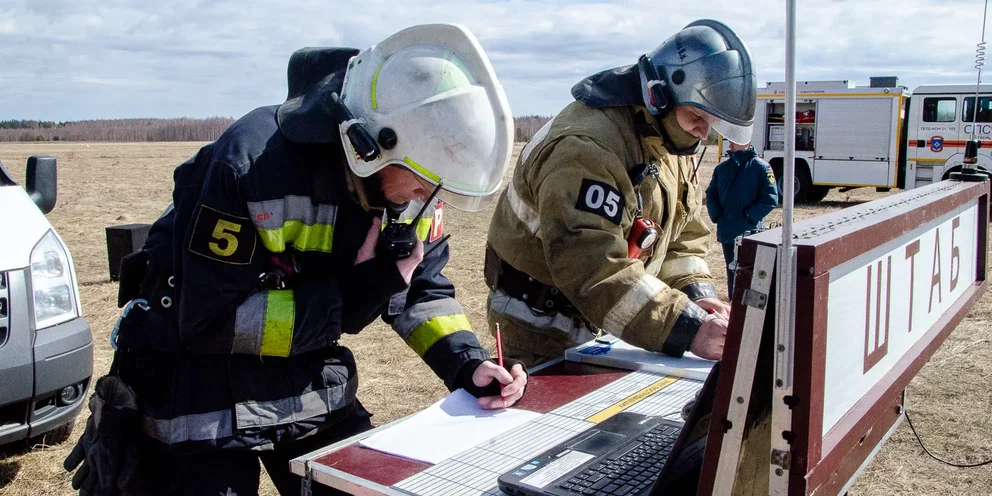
740,195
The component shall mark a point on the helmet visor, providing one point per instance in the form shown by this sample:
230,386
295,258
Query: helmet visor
467,196
734,132
465,202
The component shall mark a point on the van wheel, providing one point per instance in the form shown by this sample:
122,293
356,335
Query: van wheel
53,437
802,184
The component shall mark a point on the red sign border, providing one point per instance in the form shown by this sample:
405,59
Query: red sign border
861,429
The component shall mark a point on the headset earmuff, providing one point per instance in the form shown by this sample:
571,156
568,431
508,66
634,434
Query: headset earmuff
655,82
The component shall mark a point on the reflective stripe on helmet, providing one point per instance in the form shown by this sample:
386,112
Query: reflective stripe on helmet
375,79
422,170
449,184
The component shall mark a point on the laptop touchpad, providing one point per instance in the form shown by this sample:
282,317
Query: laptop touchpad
600,442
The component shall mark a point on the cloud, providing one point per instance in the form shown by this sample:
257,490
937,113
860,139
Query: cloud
63,60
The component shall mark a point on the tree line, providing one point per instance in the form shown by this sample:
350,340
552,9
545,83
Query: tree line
182,129
28,124
118,130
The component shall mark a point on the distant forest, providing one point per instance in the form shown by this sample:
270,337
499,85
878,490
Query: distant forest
184,129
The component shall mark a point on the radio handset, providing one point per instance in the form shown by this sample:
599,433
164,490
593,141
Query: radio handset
398,239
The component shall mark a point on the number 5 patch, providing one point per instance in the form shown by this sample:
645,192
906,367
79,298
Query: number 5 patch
600,199
223,237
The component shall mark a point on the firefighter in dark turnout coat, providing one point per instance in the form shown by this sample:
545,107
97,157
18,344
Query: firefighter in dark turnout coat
272,252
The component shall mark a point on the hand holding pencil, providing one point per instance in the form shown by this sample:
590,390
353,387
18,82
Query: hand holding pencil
512,382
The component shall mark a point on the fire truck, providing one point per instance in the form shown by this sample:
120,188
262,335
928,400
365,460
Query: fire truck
881,135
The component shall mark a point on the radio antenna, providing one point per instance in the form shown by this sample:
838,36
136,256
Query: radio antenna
969,164
979,63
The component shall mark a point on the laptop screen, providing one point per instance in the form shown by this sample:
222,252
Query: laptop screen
680,474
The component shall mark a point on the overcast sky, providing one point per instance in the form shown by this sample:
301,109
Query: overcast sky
95,59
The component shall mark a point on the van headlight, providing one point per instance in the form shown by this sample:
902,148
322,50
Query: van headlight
52,284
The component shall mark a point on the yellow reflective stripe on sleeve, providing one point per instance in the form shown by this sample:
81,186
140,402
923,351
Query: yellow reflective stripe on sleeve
280,316
428,333
424,228
419,168
375,79
316,237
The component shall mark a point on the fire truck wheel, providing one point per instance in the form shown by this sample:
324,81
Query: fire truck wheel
803,184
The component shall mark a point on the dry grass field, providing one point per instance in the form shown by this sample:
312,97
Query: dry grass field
108,184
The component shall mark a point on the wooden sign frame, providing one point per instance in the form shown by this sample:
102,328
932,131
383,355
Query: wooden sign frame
827,461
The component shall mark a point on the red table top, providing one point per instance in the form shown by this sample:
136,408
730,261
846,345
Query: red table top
547,389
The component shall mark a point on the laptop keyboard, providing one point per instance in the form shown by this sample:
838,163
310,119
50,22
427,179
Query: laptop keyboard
627,471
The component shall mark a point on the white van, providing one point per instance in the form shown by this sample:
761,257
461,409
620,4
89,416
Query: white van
46,347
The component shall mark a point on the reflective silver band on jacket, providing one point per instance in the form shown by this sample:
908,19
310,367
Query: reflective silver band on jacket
254,414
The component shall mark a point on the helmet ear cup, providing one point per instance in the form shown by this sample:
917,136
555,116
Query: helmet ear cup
653,86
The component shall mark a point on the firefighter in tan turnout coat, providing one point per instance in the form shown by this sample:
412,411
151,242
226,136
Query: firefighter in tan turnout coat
601,227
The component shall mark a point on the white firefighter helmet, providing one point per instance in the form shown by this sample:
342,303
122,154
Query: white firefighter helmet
429,96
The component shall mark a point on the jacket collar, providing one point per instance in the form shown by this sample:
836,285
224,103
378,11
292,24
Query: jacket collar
313,74
617,87
742,157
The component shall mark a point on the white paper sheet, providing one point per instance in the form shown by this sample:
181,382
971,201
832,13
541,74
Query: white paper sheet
450,426
474,472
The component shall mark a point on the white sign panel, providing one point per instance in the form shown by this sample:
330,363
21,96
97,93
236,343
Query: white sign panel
880,309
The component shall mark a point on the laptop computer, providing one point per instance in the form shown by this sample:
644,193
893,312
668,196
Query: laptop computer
627,454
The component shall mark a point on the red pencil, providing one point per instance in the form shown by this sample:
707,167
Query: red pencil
499,352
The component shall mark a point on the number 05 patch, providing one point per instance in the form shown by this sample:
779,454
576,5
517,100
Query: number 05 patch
600,199
223,237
